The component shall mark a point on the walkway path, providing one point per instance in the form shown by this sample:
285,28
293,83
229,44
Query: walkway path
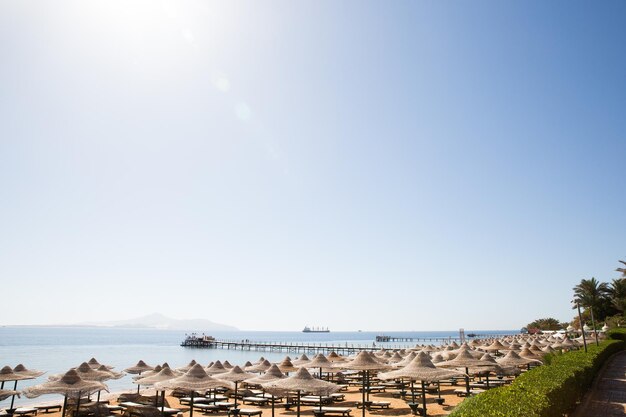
607,396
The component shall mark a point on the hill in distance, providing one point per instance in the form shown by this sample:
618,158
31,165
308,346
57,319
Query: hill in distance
159,321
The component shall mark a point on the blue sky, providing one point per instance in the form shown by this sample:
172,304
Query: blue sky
358,165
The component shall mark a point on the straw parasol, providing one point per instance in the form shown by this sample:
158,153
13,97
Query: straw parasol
421,368
301,381
195,379
227,365
140,367
463,360
364,362
21,374
6,393
187,367
235,375
272,374
259,367
319,361
216,368
93,362
32,373
286,366
164,374
334,357
87,373
513,359
303,359
70,385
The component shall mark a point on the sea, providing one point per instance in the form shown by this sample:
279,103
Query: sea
57,349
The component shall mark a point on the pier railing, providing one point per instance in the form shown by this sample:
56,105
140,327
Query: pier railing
312,347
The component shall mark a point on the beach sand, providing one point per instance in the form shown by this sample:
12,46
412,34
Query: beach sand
398,406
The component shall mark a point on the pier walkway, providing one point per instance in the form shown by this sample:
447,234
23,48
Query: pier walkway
297,347
607,396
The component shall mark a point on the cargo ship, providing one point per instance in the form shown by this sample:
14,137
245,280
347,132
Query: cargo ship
314,329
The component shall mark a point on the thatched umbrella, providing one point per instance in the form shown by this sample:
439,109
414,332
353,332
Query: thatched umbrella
236,375
93,362
24,374
187,367
363,362
216,368
86,373
259,367
227,365
334,357
405,361
195,379
8,374
319,361
6,393
463,360
272,374
303,359
529,354
301,381
164,374
422,369
70,385
286,366
513,359
140,367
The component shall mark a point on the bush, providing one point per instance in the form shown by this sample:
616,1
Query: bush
546,391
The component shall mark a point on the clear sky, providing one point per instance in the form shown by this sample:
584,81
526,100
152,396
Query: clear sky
406,165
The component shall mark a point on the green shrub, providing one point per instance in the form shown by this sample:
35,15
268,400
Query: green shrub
546,391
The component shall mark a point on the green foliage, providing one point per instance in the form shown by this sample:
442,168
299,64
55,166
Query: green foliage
546,391
548,323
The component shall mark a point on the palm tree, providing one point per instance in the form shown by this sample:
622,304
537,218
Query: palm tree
617,293
622,270
590,293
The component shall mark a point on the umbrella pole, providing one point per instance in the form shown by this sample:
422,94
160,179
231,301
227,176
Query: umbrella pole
77,405
320,404
64,405
467,388
2,385
138,384
272,405
191,404
162,402
298,405
13,396
235,395
412,392
363,393
98,400
487,380
424,398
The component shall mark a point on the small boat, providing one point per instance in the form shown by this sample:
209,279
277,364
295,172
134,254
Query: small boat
314,329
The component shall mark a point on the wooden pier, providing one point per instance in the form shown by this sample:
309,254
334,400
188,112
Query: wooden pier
305,347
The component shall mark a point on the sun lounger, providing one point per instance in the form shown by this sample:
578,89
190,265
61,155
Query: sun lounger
246,412
200,400
25,411
338,397
48,408
463,392
337,411
374,404
207,408
255,400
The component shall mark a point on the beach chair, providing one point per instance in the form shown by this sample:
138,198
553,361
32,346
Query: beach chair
337,411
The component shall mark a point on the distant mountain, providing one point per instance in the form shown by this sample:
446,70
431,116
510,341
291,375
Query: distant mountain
159,321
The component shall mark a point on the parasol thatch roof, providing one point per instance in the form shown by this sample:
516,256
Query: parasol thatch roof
513,359
421,368
163,375
6,393
301,381
195,379
364,361
22,370
272,374
140,367
71,384
236,374
7,374
86,373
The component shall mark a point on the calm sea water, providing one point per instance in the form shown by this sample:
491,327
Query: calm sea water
56,349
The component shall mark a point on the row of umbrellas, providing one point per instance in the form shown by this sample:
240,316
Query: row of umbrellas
87,378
